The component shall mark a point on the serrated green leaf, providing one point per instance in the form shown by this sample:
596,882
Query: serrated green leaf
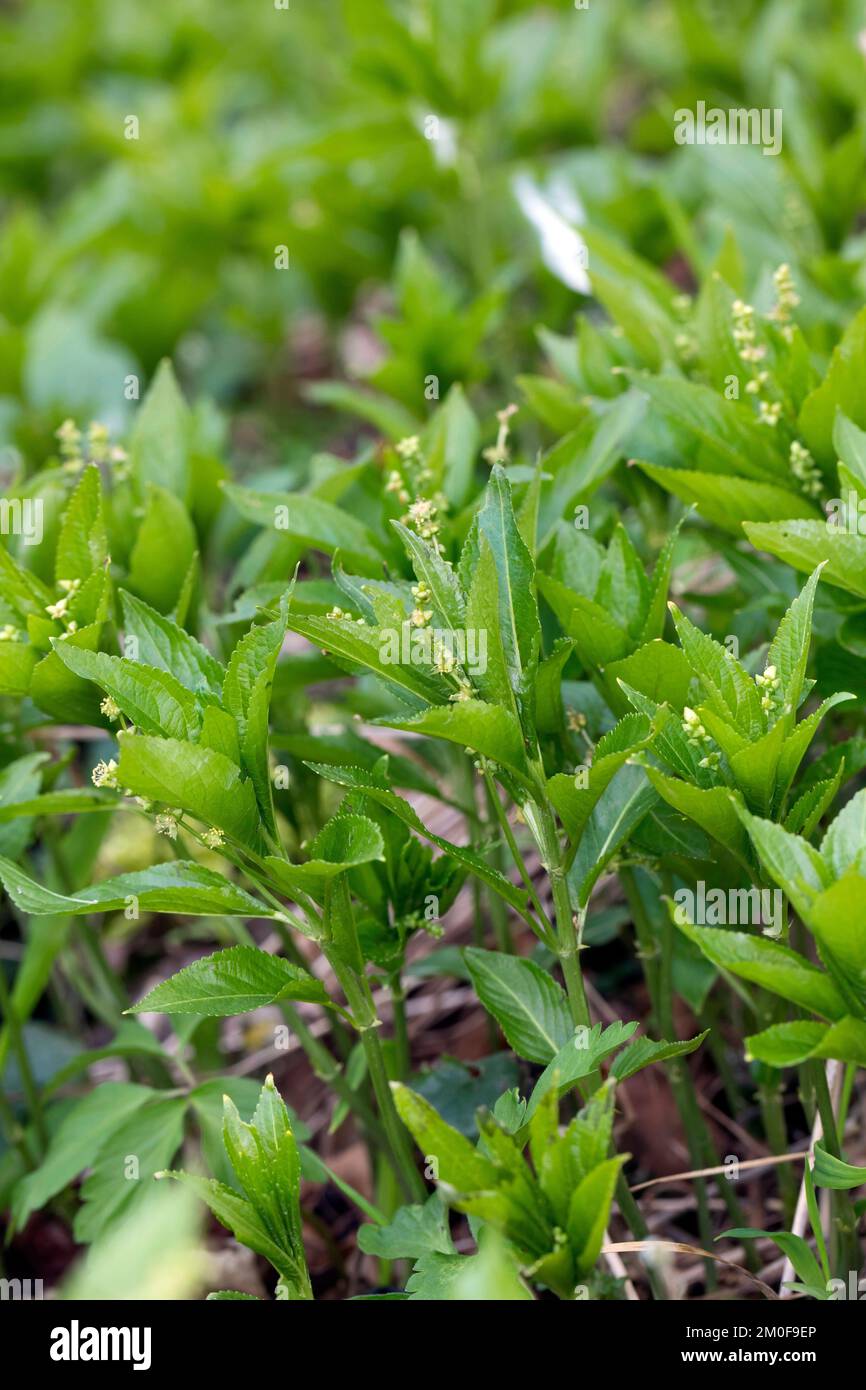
527,1003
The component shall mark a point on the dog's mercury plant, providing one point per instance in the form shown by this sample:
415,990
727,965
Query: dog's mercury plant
573,638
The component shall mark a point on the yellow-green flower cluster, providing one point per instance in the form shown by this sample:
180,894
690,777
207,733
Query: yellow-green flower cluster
769,683
805,469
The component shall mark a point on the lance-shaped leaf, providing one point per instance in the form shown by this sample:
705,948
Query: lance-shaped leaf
377,649
789,650
490,730
161,435
574,803
835,1172
791,1044
70,801
712,808
527,1003
727,501
644,1051
581,1056
234,981
199,780
767,963
180,887
316,523
163,643
793,1246
806,544
344,843
446,596
247,697
82,544
515,570
795,745
730,690
589,1213
792,863
618,811
459,1163
265,1158
154,700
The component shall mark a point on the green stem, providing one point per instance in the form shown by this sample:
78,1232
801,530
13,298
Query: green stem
501,815
846,1244
342,949
19,1047
401,1030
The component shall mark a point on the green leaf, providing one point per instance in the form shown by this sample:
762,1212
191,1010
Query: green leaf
82,545
515,570
844,845
265,1158
834,1172
725,435
315,523
529,1006
377,649
618,811
756,766
345,842
793,1246
644,1051
727,502
491,678
849,442
580,1057
836,919
356,778
792,863
795,746
140,1146
180,887
17,660
201,781
789,650
589,1213
730,691
446,596
234,981
163,551
459,1164
414,1231
76,1143
574,804
487,729
58,691
658,670
807,544
240,1217
599,639
162,643
154,700
840,389
786,1044
160,439
70,801
769,964
247,697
